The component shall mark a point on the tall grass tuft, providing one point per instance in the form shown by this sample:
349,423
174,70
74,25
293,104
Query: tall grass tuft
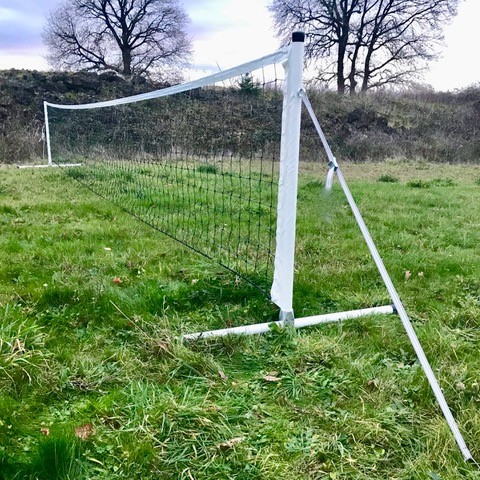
58,457
23,357
387,178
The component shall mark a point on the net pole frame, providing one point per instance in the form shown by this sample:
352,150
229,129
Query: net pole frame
407,324
282,286
49,149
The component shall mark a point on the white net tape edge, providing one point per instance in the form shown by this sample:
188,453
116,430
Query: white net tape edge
277,57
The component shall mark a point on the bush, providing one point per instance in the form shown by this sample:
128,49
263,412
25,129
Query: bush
207,168
418,184
19,140
388,179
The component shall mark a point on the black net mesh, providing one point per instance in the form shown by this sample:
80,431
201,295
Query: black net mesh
200,166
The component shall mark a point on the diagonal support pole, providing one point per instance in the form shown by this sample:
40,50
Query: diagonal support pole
407,324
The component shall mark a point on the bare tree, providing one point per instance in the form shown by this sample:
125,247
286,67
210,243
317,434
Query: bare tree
366,43
131,37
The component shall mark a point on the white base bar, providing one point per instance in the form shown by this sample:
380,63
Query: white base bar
298,323
52,165
334,317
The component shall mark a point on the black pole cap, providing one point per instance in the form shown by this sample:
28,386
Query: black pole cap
298,37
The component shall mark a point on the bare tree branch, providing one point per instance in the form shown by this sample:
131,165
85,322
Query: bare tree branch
131,37
370,42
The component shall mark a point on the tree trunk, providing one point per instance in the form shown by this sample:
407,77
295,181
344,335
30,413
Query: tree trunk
127,61
352,87
342,48
366,77
366,69
340,78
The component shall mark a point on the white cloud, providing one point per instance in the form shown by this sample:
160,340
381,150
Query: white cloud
241,31
8,15
459,66
26,60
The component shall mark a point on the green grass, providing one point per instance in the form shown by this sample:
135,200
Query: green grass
92,303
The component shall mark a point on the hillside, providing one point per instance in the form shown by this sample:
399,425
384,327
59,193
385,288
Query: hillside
436,127
22,93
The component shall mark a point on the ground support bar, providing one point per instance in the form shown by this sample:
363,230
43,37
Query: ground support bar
297,323
51,165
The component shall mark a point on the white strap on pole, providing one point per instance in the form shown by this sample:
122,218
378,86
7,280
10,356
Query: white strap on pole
329,180
282,286
393,294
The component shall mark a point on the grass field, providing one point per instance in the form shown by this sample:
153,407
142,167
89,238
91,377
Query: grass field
95,384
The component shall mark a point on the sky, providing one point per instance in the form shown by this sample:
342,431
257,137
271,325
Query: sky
228,32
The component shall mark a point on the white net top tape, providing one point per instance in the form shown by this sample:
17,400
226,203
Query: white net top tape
277,57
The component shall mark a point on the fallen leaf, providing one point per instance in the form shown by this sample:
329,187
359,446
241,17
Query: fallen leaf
408,274
18,346
117,280
229,444
420,274
222,375
271,378
85,431
107,249
372,384
112,422
194,281
45,431
162,348
80,384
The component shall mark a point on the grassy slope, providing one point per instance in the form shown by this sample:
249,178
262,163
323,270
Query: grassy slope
336,402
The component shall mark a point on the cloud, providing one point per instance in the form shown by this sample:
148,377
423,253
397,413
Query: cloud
209,17
223,31
16,35
234,31
29,7
21,24
7,14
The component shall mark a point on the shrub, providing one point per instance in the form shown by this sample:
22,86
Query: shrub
418,184
19,140
207,168
442,182
388,179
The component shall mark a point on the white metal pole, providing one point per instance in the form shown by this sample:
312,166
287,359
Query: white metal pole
47,133
282,287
